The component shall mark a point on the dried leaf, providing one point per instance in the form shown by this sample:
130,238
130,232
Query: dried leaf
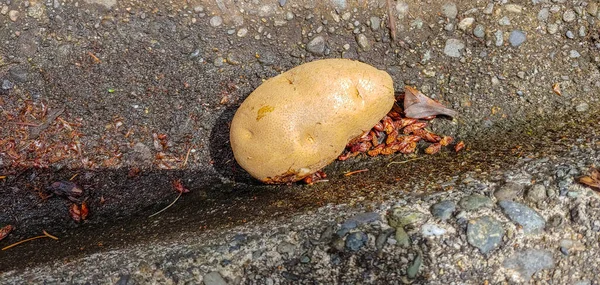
179,187
556,89
4,231
417,105
593,180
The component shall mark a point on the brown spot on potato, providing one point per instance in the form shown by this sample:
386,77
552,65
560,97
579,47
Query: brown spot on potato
263,111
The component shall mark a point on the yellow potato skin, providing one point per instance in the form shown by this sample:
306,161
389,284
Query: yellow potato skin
298,122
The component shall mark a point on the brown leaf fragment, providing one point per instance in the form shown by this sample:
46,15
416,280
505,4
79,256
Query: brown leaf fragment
4,231
75,213
417,105
593,180
556,89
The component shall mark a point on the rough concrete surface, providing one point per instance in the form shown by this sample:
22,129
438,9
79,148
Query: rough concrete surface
141,92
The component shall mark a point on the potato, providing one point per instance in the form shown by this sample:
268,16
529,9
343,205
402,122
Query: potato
298,122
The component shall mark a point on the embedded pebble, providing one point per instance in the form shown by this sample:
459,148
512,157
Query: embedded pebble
552,28
574,54
582,107
479,31
513,8
453,47
569,16
355,241
402,9
218,62
485,233
508,191
214,278
4,10
13,15
363,42
18,74
360,219
489,8
7,85
536,193
570,35
499,38
415,266
516,38
522,265
316,46
216,21
375,23
449,10
400,217
432,230
504,21
475,202
466,23
402,237
582,31
528,218
242,32
543,14
443,210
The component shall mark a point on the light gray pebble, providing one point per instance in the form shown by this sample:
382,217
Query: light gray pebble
543,14
316,46
554,8
363,42
430,229
242,32
582,31
214,278
582,107
516,38
346,16
521,74
479,31
402,9
198,9
466,23
443,210
286,248
4,10
453,47
216,21
570,35
449,27
529,219
499,38
536,193
523,265
574,54
289,16
18,74
504,21
7,85
552,28
449,10
485,233
13,15
375,22
346,46
569,16
592,8
355,241
489,9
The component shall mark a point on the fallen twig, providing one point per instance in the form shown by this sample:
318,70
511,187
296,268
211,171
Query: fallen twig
165,208
35,132
187,156
355,172
404,161
95,58
46,234
391,20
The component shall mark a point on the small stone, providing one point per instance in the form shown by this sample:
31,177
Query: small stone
571,245
536,193
582,107
360,219
400,217
4,10
521,74
316,46
522,265
508,191
402,9
242,32
516,38
218,62
432,230
375,23
554,8
449,10
443,210
363,42
346,46
570,35
453,47
282,2
582,31
383,237
36,10
18,74
198,9
578,214
489,8
346,16
214,278
355,241
415,266
543,14
499,38
574,54
289,16
479,31
569,16
13,15
552,28
513,8
504,21
402,237
286,248
216,21
592,8
7,85
529,219
267,58
466,23
449,27
485,233
474,202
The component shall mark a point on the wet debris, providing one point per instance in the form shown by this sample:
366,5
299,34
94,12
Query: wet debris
4,231
66,189
592,180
